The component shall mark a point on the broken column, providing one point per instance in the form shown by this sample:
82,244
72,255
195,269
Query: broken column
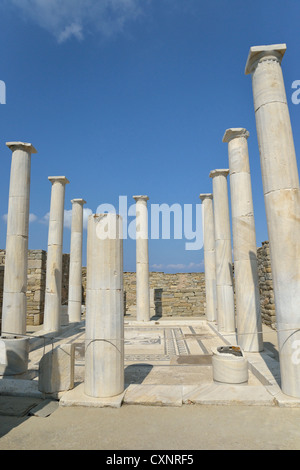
104,355
224,281
142,260
56,370
75,270
16,259
209,256
282,202
54,256
248,317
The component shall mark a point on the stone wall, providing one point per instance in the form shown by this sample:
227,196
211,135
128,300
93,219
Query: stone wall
181,294
267,303
36,284
65,279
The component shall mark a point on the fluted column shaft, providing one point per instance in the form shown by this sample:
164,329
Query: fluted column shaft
16,257
225,296
248,316
104,355
75,270
282,202
52,312
142,260
209,256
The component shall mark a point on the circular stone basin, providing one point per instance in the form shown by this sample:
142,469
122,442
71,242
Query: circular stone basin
229,365
14,351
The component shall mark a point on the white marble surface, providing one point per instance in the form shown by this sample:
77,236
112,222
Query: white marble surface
16,258
104,343
54,255
75,270
282,201
56,369
249,325
223,251
209,256
228,368
142,260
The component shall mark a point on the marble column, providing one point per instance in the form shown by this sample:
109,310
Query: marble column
52,312
16,258
75,270
104,355
209,256
248,313
282,202
223,250
142,260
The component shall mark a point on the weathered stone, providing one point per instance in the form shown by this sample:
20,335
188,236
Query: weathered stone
54,257
56,369
282,200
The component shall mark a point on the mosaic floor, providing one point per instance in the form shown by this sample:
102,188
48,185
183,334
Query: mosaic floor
161,344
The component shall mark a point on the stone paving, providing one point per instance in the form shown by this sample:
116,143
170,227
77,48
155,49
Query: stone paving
167,363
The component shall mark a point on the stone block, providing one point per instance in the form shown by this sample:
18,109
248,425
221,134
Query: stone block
14,353
56,369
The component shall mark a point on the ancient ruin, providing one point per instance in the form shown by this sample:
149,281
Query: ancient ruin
97,336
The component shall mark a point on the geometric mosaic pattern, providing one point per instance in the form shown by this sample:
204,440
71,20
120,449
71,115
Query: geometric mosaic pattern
159,344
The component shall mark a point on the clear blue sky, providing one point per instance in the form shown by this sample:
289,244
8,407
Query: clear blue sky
128,97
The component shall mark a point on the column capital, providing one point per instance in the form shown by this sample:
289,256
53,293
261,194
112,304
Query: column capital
205,196
79,201
21,146
257,53
223,172
138,198
235,132
61,179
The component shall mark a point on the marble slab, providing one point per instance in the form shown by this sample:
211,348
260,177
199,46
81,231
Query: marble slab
77,397
220,394
157,395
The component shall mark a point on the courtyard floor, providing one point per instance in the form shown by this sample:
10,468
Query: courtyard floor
170,399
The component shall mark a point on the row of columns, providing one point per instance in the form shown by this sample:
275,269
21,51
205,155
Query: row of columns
282,203
52,309
14,307
217,236
15,279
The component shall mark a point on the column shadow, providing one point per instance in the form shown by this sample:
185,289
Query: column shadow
136,373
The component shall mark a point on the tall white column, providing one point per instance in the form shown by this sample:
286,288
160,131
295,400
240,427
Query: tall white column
104,355
142,260
282,202
209,256
75,269
54,256
16,258
224,281
248,315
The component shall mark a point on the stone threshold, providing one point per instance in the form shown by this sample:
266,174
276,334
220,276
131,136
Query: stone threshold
174,395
